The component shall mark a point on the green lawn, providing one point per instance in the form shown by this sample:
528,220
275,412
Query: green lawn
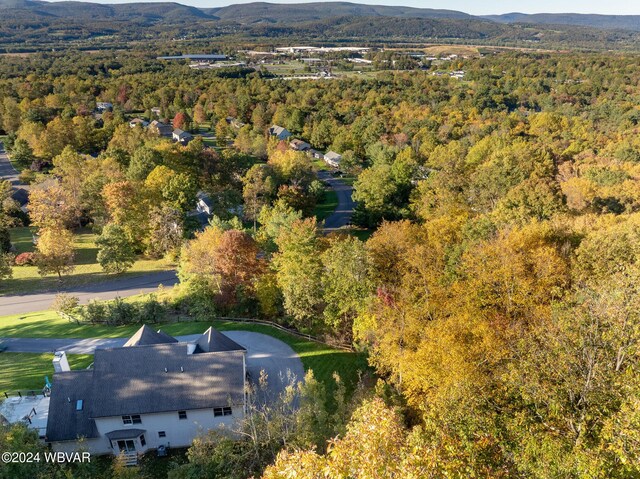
27,280
25,371
327,206
323,359
320,165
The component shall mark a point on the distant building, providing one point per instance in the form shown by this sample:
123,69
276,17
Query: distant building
151,393
182,136
333,159
279,132
138,122
156,111
194,57
103,106
234,122
299,145
315,154
161,129
204,203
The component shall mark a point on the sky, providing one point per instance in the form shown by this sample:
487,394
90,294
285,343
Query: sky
474,7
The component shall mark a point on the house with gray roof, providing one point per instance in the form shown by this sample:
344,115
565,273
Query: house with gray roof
161,129
182,136
279,132
138,122
154,391
299,145
332,158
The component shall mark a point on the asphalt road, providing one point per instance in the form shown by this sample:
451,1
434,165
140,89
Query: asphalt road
147,283
7,171
342,215
264,353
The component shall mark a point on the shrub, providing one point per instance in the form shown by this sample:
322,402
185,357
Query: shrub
25,259
65,303
120,312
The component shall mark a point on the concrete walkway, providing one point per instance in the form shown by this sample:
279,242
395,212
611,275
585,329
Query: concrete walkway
33,302
342,215
264,353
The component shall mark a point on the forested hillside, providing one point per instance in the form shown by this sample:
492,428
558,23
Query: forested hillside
32,25
497,297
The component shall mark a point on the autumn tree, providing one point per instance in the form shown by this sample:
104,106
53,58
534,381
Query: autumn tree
52,206
226,261
54,251
181,120
125,208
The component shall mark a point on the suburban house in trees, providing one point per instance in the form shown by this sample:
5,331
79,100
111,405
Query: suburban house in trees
204,203
299,145
279,132
160,128
151,393
138,122
182,136
315,154
332,158
103,106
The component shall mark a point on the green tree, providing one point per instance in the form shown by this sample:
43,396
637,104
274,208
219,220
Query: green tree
346,282
299,271
115,252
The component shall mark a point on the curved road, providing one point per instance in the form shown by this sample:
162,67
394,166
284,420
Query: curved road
33,302
342,215
264,353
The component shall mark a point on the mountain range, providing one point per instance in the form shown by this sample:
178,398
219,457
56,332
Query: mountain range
262,12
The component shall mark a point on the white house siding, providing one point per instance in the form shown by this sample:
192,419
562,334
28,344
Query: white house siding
179,432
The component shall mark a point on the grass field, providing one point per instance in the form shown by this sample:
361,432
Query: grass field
24,371
323,359
27,280
327,206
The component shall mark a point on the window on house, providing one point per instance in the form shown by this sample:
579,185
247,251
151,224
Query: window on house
135,419
222,411
162,434
182,414
143,441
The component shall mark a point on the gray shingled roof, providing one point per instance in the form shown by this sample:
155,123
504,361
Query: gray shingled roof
65,423
147,378
146,335
134,381
124,434
213,341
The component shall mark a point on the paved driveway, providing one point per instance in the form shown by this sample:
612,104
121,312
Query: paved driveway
264,352
342,215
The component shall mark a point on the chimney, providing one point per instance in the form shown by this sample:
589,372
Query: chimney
60,363
191,347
